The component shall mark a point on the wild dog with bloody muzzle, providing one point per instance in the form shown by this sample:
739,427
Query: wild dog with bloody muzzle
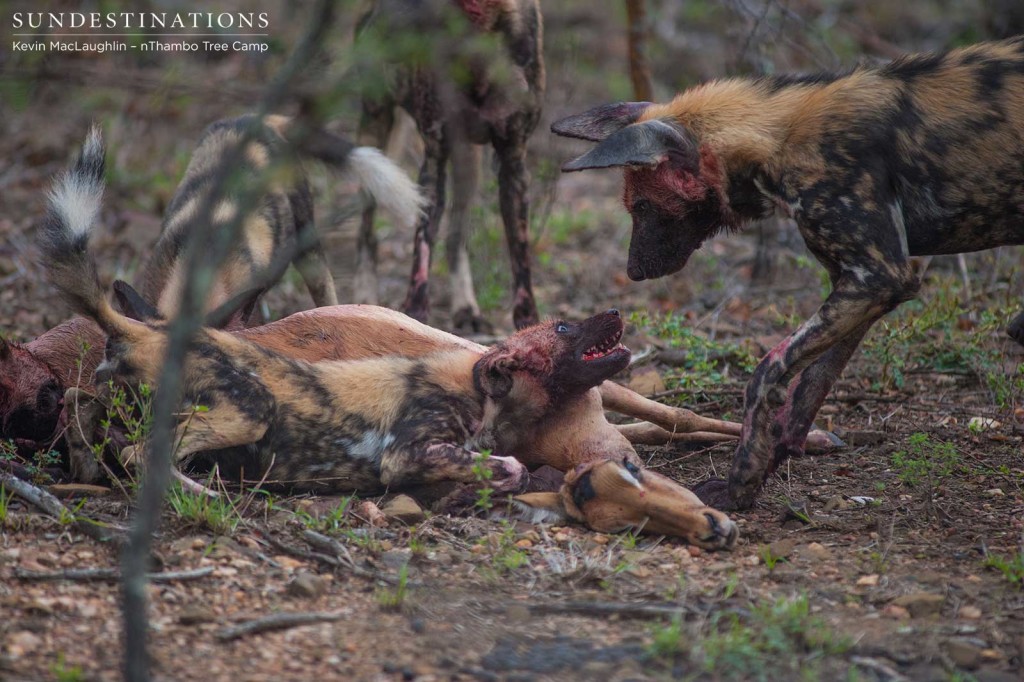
919,157
353,425
279,220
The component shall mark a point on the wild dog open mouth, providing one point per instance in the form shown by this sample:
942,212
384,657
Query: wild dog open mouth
604,348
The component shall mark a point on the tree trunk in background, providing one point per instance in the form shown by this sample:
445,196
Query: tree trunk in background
639,67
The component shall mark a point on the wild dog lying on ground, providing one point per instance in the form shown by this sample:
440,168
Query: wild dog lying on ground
279,229
919,157
461,98
280,221
362,424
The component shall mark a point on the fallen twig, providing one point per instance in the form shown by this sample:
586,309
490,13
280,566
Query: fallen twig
89,574
623,610
277,621
50,505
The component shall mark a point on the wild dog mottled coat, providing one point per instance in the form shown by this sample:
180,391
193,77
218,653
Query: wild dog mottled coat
918,157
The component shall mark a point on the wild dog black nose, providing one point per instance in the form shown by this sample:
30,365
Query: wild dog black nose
613,311
49,397
635,273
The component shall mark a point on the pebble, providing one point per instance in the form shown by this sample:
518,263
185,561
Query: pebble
970,612
694,551
405,509
963,654
995,492
921,604
780,549
194,614
897,612
868,580
816,551
306,585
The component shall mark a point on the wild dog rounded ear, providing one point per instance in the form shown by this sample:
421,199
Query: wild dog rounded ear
132,304
493,374
642,144
599,122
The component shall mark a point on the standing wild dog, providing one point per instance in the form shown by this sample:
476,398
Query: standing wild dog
279,227
920,157
460,96
365,424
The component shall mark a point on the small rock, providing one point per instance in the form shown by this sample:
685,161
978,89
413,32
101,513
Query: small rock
369,511
816,551
525,543
647,382
897,612
600,539
963,654
833,503
780,549
196,614
405,509
21,643
995,492
694,551
306,585
562,537
396,558
921,604
868,580
970,612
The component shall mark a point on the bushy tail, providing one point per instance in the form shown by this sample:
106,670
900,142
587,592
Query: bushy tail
71,213
390,187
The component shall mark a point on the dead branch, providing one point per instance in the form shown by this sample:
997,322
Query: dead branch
51,506
277,621
98,574
201,259
620,609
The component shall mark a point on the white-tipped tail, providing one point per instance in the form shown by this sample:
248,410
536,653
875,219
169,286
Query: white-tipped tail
388,184
77,194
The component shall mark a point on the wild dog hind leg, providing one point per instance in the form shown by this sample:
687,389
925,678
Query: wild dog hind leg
466,160
375,126
512,184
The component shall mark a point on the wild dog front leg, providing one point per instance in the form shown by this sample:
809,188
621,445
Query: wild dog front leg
777,404
434,461
466,160
512,183
432,179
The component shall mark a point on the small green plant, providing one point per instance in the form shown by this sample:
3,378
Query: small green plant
505,555
332,521
5,500
925,460
62,672
769,559
218,514
482,473
392,599
777,640
1011,567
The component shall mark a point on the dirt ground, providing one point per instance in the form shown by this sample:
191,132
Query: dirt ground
901,556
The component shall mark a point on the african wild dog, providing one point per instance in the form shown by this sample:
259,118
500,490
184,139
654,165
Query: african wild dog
34,376
280,219
364,424
920,157
460,98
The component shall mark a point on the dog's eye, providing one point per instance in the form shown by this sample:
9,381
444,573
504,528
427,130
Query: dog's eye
630,467
642,207
562,328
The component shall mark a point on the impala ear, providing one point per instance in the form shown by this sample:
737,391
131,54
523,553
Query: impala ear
642,144
599,122
132,304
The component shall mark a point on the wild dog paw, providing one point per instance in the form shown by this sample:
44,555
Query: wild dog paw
508,474
719,531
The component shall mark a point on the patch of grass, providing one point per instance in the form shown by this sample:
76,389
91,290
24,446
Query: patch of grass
940,335
776,640
710,362
331,522
62,672
218,514
392,599
1012,567
925,460
483,474
505,556
769,559
5,500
